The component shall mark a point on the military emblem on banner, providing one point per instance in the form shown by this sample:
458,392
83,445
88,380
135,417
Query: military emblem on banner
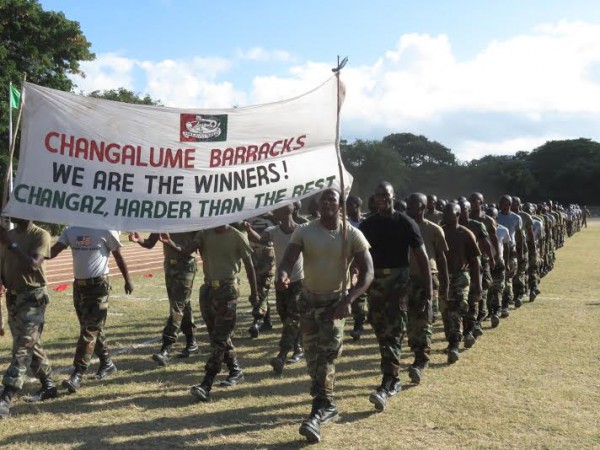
203,128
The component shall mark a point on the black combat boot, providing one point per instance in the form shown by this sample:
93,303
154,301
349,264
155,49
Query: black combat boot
323,411
107,367
163,356
477,330
518,301
453,353
415,371
191,348
74,382
254,329
298,352
469,339
390,386
201,392
266,325
236,375
532,295
357,330
278,363
311,427
494,318
6,400
47,391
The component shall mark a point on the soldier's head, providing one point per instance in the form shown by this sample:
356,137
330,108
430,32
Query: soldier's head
476,200
492,212
505,203
384,197
353,205
400,205
283,213
439,204
329,203
415,205
431,202
515,205
297,206
529,208
451,213
465,208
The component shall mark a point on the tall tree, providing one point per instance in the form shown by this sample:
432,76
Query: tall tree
126,96
44,45
568,170
417,151
370,162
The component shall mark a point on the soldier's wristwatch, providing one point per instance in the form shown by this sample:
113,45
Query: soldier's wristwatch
13,246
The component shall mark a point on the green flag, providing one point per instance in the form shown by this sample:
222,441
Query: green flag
15,97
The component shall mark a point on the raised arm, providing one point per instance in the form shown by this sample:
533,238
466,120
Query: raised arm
148,243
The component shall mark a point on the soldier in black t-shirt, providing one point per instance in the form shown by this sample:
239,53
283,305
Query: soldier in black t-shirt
391,235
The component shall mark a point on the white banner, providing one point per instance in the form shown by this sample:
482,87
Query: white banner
110,165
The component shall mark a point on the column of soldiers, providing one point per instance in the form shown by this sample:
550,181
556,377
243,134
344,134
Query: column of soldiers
463,259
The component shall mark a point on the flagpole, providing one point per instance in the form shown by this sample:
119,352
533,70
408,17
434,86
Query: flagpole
8,181
336,70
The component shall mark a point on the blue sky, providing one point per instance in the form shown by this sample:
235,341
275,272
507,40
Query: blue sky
477,76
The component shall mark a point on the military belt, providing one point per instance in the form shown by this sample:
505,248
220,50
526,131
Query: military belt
175,261
90,281
24,289
220,283
321,297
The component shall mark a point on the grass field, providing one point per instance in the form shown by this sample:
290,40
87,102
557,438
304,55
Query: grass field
534,382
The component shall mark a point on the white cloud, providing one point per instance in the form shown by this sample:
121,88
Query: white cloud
107,71
181,83
261,54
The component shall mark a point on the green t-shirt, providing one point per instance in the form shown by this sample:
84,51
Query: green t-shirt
322,253
222,253
434,216
17,274
183,240
435,244
477,228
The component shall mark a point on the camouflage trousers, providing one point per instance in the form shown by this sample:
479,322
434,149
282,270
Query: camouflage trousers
494,293
179,280
218,305
360,309
420,317
435,295
388,305
486,283
26,311
520,278
533,272
456,306
507,294
322,338
287,308
90,298
263,258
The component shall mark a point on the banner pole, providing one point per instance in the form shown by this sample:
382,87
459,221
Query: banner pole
340,99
